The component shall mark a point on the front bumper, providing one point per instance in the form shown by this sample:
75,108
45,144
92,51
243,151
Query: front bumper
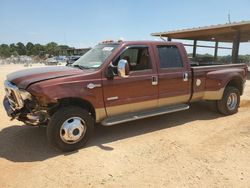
26,110
24,115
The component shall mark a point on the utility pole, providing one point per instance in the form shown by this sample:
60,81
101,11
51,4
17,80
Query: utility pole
229,17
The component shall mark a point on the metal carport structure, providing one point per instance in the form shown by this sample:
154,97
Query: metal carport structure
234,33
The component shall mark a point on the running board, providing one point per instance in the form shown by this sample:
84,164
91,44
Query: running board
143,114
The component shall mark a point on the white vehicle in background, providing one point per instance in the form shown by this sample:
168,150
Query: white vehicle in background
25,59
51,61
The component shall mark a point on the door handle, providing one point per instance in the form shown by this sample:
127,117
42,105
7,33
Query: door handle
154,80
185,77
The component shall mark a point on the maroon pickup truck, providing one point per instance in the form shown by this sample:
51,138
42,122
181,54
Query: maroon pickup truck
117,82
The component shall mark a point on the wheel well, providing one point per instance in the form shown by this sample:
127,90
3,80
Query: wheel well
75,102
237,83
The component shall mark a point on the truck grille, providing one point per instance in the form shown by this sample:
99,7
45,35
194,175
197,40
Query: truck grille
13,95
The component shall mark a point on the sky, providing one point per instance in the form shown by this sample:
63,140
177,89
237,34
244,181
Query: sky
83,23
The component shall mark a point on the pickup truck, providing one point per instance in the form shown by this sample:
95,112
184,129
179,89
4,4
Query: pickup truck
117,82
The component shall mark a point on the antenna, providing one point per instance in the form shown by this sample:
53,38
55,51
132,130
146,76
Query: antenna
229,17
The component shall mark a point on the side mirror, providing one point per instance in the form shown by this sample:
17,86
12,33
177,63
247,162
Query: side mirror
123,68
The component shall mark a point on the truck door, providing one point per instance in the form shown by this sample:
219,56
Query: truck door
174,75
137,92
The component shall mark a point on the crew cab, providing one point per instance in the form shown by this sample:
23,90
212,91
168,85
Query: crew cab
117,82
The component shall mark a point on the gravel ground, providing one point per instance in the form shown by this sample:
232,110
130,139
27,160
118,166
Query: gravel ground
194,148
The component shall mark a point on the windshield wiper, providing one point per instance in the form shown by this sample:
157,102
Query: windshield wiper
82,67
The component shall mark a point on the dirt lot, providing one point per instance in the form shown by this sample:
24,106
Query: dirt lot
194,148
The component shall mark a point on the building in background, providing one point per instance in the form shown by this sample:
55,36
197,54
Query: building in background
74,51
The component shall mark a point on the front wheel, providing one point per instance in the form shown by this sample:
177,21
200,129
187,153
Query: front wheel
229,104
70,128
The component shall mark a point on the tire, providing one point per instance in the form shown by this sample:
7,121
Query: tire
224,106
70,128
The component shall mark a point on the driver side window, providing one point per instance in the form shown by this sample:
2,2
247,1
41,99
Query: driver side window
138,58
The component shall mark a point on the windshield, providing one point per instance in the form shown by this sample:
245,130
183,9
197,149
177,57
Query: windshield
95,57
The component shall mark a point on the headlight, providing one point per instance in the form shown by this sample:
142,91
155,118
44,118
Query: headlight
25,95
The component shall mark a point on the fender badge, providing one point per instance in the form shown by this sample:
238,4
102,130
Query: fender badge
92,86
198,82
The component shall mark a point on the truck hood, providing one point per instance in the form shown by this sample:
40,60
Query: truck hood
22,79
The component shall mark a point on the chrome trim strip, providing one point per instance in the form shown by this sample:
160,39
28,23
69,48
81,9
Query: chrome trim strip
112,98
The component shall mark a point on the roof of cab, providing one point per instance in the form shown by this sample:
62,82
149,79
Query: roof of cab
146,42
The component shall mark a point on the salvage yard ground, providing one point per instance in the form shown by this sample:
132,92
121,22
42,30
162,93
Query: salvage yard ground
194,148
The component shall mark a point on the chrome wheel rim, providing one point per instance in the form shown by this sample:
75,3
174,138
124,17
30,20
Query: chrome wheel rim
232,101
73,130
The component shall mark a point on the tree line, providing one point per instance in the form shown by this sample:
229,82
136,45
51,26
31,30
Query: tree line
220,59
31,49
54,49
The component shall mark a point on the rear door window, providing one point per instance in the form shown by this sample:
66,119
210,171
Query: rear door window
169,57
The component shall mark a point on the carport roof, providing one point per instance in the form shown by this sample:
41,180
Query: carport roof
220,33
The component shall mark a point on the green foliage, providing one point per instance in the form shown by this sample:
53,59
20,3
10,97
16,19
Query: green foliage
5,50
224,59
19,48
244,59
220,59
29,47
13,48
54,49
51,48
38,49
203,58
14,53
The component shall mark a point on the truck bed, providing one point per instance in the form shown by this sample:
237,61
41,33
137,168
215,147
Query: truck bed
209,81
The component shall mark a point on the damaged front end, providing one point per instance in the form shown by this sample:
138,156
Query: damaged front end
21,105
